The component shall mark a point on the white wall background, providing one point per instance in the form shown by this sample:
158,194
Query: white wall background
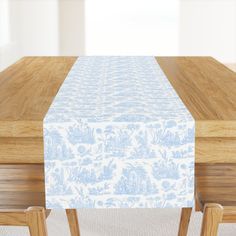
41,28
132,27
208,27
121,27
4,22
32,28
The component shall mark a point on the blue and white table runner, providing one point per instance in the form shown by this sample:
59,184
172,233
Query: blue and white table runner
118,136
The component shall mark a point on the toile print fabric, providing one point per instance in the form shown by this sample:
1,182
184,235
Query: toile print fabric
118,136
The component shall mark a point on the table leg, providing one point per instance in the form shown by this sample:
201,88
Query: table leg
212,217
36,221
184,221
73,222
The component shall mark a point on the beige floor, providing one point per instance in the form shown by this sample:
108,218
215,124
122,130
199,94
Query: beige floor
159,222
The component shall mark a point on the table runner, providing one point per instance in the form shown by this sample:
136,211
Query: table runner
118,136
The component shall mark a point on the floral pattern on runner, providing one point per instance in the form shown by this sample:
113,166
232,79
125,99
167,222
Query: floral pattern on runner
118,136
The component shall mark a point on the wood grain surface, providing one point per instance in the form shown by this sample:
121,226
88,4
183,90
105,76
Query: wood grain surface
216,183
21,150
73,222
22,185
184,221
212,217
206,86
27,89
33,217
36,221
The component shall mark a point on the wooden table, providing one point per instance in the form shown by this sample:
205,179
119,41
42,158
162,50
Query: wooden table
28,87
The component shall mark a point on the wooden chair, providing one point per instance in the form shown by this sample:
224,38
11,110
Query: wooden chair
213,215
73,222
35,219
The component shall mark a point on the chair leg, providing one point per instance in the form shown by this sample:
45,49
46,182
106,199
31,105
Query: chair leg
184,221
73,222
212,217
36,221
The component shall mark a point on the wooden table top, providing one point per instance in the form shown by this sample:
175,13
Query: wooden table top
28,87
207,88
